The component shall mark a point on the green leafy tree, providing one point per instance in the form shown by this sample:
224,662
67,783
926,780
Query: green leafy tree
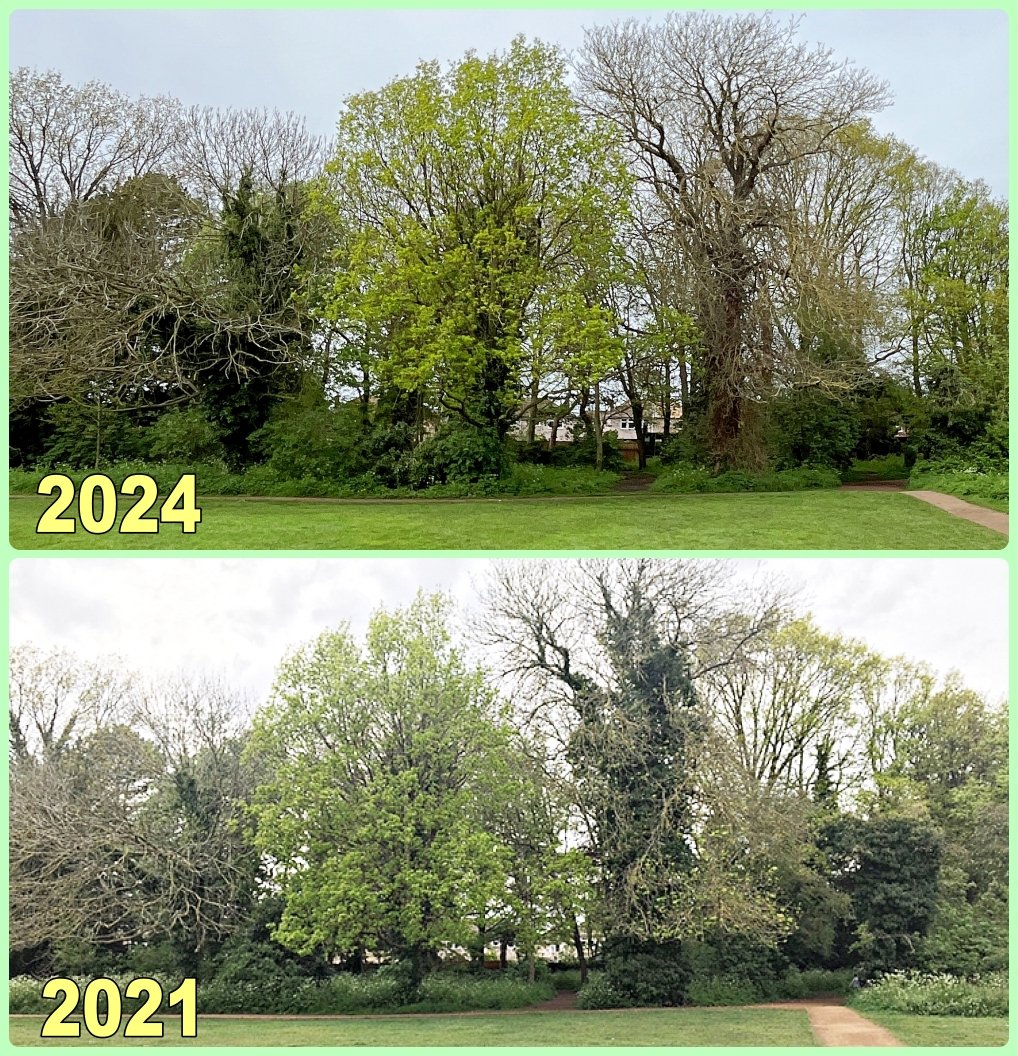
382,758
477,196
889,867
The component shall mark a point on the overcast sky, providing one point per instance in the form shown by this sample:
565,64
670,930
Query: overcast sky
237,618
947,69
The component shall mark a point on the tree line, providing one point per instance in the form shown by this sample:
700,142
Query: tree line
661,772
696,214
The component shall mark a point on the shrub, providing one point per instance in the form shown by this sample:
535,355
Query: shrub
80,439
530,452
305,439
273,989
25,992
886,467
26,998
450,992
719,990
569,979
685,479
811,982
599,993
811,428
389,451
185,436
583,452
525,479
457,454
520,969
965,481
679,449
735,958
936,995
648,973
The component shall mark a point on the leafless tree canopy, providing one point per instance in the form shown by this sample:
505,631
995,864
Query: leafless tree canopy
716,108
68,143
125,814
216,147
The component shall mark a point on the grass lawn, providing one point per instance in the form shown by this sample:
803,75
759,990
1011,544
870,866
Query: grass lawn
934,1031
805,520
653,1027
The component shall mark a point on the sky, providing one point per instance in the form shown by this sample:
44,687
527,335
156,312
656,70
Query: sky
237,618
948,70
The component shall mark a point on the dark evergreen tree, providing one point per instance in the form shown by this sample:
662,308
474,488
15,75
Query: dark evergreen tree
890,868
631,747
249,356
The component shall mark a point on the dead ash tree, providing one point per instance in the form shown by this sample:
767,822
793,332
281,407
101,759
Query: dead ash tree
715,108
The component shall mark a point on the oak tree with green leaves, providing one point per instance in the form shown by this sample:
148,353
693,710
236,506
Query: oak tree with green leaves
386,760
477,197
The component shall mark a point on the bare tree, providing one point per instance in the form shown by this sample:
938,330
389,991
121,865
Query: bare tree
218,147
126,820
715,108
68,143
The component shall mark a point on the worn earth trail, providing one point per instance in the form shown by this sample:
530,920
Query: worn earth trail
833,1023
967,511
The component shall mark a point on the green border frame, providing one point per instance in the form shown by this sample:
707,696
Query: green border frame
9,554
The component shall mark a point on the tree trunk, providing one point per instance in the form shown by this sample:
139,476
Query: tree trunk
725,383
641,447
917,378
532,421
366,397
98,434
581,953
598,434
666,402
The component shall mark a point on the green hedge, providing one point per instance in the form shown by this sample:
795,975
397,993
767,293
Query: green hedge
732,990
340,994
686,479
935,995
215,479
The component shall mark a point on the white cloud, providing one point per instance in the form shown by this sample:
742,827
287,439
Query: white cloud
238,617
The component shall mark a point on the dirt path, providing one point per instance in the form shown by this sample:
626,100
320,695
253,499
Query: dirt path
833,1023
563,1001
875,485
633,481
969,511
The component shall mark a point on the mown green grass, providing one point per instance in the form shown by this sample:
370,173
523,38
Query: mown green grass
934,1031
685,1027
818,520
